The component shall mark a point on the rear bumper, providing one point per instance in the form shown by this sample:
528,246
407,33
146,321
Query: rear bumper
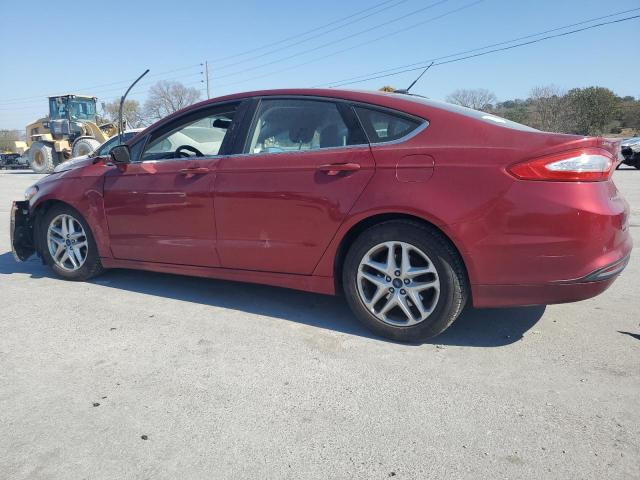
546,242
559,292
21,231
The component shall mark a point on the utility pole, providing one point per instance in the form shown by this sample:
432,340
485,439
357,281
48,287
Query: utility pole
206,77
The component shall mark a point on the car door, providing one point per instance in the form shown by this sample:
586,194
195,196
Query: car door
160,207
305,161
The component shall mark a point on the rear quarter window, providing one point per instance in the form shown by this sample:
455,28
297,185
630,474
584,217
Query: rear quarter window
384,126
476,114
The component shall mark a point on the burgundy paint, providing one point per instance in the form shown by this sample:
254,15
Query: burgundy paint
280,219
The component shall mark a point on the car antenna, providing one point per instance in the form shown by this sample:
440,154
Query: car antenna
120,120
406,90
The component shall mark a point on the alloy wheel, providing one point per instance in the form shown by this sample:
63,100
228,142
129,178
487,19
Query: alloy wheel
398,283
67,242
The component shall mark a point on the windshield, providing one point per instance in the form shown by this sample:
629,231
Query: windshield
72,108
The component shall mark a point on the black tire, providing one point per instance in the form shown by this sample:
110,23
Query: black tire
84,146
92,265
454,289
42,158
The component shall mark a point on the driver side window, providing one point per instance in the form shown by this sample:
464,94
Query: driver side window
196,138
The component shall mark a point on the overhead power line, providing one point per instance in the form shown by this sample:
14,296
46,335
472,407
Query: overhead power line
478,49
298,35
342,50
339,40
467,57
313,37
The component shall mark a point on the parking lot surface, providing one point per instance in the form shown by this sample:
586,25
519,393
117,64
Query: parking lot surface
144,375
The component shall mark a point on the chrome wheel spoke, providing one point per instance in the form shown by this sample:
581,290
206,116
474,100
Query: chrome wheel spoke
57,231
404,306
377,281
419,286
414,296
377,296
414,272
59,251
405,263
393,302
378,266
57,241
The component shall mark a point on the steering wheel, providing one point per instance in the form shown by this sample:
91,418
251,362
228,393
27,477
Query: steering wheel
179,153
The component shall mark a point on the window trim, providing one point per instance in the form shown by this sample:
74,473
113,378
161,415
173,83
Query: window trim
337,102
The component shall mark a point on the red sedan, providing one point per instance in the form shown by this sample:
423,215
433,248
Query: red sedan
412,208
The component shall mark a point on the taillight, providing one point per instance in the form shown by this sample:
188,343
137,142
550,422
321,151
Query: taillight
583,165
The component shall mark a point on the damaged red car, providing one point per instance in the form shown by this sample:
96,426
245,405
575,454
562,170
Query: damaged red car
409,207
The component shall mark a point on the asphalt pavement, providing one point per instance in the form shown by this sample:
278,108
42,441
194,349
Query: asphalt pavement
139,375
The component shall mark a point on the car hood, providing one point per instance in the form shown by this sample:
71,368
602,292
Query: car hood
76,162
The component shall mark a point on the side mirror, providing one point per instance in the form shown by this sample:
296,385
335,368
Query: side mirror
120,154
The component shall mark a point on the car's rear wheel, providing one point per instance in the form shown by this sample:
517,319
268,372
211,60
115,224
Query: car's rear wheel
404,281
68,244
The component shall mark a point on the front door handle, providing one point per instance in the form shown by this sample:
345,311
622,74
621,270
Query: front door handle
194,171
333,169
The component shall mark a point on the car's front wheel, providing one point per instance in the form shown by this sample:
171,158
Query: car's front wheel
404,281
68,244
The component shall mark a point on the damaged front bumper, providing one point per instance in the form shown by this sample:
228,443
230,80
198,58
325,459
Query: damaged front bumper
21,231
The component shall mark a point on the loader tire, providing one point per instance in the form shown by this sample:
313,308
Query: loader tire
42,158
84,146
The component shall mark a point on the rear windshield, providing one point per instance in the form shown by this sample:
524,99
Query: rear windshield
468,112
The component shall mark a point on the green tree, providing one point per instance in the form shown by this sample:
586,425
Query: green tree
591,109
630,113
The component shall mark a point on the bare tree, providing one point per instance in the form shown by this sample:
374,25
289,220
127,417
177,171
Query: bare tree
8,137
131,112
167,97
549,108
478,99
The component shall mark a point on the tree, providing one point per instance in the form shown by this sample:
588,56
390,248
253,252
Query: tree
131,112
592,109
548,108
478,99
630,114
387,89
7,137
166,97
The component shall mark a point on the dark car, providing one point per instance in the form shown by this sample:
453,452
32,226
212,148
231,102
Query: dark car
10,161
630,150
411,208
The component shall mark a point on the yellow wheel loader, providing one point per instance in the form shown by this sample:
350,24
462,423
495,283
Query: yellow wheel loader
70,130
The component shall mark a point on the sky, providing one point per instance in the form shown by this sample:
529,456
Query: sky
98,49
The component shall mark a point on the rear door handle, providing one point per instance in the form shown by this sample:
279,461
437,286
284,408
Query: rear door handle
333,169
194,171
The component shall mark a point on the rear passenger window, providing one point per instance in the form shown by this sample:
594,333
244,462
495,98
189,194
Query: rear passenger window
384,126
284,125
